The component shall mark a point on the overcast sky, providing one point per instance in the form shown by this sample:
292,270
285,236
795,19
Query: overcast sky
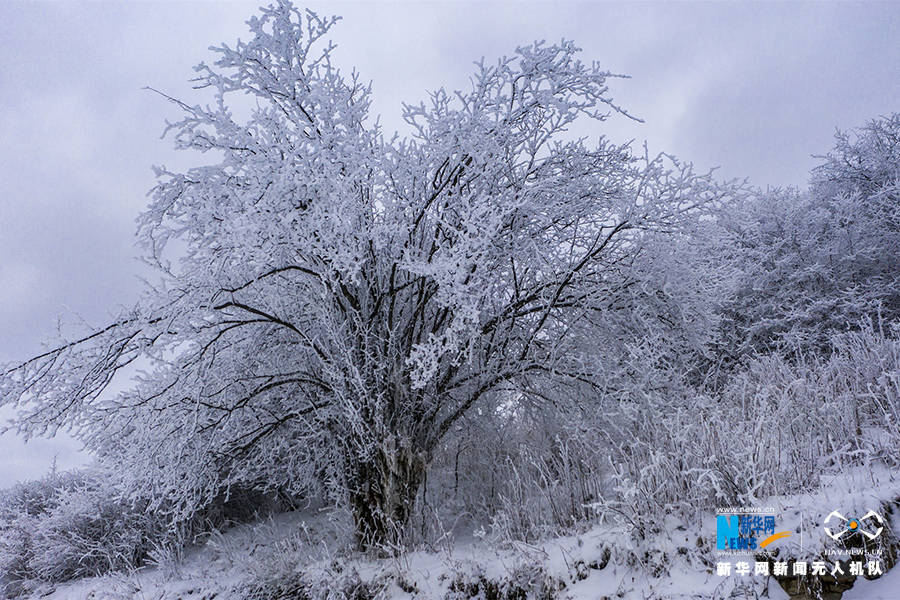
755,89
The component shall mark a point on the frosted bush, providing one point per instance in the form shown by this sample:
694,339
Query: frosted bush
67,526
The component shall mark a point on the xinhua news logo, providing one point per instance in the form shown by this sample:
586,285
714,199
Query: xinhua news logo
747,531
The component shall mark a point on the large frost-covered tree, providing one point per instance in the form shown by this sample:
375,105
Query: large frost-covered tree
331,302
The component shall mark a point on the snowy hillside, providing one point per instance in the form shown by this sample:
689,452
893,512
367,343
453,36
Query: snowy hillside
306,554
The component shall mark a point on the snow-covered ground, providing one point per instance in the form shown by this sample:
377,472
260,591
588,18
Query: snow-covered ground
206,575
219,567
601,562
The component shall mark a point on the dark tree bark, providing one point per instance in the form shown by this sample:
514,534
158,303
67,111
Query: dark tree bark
383,493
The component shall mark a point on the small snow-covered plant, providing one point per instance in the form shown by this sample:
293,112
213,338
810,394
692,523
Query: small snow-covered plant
78,524
167,554
325,540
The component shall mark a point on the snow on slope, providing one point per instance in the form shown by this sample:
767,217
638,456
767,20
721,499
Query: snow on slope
217,568
602,562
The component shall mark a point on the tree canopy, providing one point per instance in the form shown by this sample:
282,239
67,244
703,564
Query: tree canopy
331,301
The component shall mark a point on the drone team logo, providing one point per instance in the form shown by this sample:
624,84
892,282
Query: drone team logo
849,525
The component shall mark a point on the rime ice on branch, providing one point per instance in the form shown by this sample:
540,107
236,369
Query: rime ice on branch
340,300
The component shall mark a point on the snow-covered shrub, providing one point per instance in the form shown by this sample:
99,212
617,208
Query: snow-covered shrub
664,447
547,490
819,414
524,583
778,426
67,526
523,474
77,524
322,582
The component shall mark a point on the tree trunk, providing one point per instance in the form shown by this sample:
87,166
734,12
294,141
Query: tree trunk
383,494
